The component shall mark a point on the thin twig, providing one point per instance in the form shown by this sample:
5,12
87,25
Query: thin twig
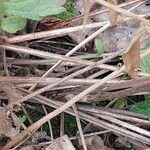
79,127
62,124
49,123
73,51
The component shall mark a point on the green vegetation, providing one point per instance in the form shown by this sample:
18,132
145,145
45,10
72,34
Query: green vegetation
69,12
14,13
99,46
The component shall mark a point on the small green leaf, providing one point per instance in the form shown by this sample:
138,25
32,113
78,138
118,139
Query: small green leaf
120,103
12,24
145,64
22,118
70,10
99,45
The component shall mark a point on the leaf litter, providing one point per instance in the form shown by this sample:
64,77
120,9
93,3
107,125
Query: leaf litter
98,82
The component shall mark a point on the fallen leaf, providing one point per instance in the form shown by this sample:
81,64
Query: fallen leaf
62,143
98,143
131,59
6,126
95,142
12,93
112,13
131,56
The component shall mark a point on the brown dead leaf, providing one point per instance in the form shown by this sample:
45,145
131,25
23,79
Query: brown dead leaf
62,143
12,93
112,13
98,143
131,59
131,56
95,142
6,126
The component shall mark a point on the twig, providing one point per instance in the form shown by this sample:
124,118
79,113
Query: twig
72,102
85,117
48,55
124,124
124,12
97,110
53,33
79,45
68,104
73,51
5,62
141,87
79,127
62,124
49,123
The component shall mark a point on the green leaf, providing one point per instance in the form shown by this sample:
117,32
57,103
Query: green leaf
142,108
12,24
70,10
145,64
99,45
14,13
147,45
120,103
147,97
22,118
34,9
58,2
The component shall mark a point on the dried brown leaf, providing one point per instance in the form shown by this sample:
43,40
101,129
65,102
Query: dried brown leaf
95,142
98,143
131,59
62,143
6,126
12,93
112,13
131,56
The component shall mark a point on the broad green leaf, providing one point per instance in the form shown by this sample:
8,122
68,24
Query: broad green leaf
142,107
120,103
99,45
12,24
34,9
58,2
13,13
